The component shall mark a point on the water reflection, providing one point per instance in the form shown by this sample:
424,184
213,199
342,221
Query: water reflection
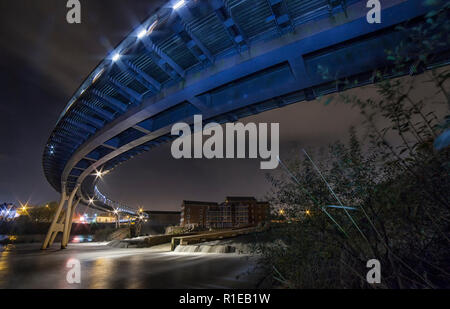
81,238
100,273
26,266
4,263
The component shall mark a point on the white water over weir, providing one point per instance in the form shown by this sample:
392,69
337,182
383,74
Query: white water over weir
205,249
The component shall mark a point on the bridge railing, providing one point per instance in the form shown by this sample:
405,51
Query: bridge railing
115,205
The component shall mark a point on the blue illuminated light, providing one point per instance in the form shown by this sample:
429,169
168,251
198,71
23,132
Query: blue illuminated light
178,4
116,57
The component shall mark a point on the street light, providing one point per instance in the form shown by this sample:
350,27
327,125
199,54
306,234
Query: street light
115,57
178,4
142,33
116,212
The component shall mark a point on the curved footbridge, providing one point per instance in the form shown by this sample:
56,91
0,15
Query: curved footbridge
223,59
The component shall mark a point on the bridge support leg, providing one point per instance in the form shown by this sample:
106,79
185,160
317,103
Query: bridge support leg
72,212
60,223
68,220
55,226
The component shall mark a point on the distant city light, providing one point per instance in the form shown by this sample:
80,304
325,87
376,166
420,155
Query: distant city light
91,200
116,57
308,212
178,4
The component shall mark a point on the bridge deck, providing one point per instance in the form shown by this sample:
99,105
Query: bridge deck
223,59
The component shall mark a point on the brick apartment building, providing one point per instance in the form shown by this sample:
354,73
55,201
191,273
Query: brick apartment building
234,212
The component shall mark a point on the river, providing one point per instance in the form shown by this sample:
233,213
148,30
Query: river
26,266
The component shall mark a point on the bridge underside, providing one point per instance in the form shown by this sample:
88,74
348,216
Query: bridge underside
224,60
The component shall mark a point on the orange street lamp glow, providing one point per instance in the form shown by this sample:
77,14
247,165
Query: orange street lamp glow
308,212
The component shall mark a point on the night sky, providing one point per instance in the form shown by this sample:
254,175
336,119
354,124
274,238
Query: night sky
44,60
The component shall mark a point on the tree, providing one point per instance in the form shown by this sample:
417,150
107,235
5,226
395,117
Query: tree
395,180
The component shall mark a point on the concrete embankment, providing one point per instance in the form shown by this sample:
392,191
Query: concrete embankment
233,242
143,241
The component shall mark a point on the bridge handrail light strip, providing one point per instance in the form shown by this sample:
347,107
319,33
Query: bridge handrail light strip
115,205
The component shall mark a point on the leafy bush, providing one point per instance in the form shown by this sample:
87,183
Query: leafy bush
384,196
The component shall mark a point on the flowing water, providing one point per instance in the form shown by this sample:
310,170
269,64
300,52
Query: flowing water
25,266
204,249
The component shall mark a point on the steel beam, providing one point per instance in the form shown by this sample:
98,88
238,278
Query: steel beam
68,219
155,84
110,101
151,47
99,111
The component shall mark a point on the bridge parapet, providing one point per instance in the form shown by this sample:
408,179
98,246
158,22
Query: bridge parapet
116,206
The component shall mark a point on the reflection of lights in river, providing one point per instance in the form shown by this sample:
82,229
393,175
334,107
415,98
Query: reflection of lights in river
4,257
101,273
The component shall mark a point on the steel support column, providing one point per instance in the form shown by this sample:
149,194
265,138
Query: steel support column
74,206
68,219
54,226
